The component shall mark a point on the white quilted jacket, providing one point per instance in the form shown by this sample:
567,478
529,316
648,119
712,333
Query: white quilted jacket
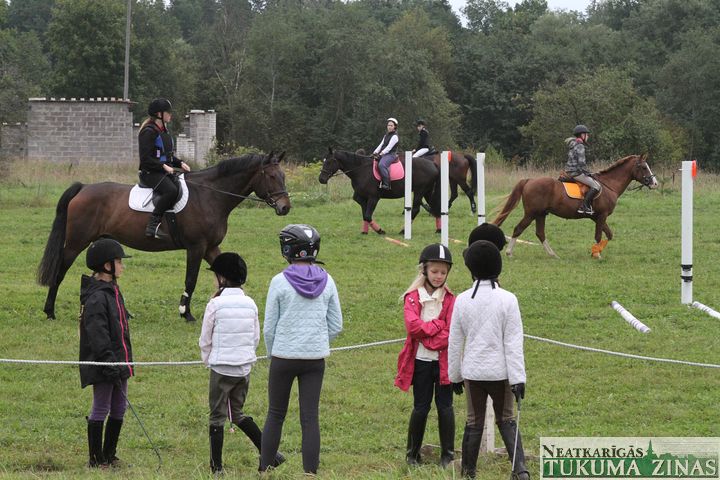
486,336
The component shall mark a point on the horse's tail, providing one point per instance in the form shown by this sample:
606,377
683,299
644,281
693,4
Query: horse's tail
473,172
52,259
511,203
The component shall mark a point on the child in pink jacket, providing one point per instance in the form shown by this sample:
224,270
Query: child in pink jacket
423,361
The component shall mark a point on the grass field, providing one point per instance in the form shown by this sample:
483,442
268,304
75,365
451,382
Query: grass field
363,417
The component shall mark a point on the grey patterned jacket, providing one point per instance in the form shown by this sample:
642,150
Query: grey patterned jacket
576,163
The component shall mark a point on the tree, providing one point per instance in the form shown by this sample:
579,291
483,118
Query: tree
621,122
30,15
86,41
22,72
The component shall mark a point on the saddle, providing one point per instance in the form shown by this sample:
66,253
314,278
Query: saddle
397,171
142,198
574,189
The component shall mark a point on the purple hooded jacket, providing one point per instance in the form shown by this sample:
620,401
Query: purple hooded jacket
307,280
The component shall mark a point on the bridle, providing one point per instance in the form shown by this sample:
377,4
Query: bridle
647,180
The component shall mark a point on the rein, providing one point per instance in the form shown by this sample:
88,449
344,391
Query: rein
340,171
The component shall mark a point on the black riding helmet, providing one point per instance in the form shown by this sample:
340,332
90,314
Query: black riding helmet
231,266
419,121
102,251
489,232
437,252
159,105
483,260
580,129
299,242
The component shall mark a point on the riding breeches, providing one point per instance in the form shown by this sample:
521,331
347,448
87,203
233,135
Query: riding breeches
165,184
384,165
587,180
421,152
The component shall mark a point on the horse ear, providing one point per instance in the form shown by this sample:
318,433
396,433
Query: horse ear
282,155
330,151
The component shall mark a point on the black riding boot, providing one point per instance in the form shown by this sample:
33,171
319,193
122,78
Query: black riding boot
507,431
153,226
252,431
446,428
587,202
216,447
416,431
470,450
385,184
94,434
112,433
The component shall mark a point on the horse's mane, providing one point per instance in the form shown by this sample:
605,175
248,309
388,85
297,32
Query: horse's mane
353,155
617,163
239,164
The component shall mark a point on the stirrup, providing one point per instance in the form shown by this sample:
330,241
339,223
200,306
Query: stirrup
385,186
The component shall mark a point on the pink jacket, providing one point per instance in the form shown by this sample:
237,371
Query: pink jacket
433,334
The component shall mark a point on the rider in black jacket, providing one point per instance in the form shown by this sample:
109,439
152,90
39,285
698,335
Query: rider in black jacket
157,161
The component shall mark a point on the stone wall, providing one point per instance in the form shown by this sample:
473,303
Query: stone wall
13,141
94,130
199,138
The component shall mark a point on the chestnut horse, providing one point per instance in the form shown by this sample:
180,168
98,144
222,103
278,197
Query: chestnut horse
459,165
87,212
544,195
359,168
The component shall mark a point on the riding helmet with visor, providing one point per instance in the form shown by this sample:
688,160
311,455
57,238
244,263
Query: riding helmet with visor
231,266
102,251
159,105
393,120
299,242
580,129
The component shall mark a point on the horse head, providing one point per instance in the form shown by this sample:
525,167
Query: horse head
330,165
271,186
641,172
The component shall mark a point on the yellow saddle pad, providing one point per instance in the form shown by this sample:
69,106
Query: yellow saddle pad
573,190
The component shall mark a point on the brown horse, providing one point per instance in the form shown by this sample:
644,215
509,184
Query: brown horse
459,165
544,195
87,212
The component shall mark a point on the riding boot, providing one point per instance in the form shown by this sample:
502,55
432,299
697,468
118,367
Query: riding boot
587,202
94,434
470,450
446,428
153,226
216,446
507,431
112,433
385,184
252,431
416,431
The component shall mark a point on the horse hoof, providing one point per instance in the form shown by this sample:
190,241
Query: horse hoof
188,318
363,233
437,230
380,232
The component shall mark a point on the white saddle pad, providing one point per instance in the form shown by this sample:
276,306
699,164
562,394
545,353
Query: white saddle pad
141,198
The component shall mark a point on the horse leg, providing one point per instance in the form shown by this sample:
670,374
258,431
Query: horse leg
363,207
524,223
540,233
192,268
453,194
369,210
469,193
600,244
69,257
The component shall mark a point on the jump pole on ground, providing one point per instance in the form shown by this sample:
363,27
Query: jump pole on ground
480,188
444,187
408,195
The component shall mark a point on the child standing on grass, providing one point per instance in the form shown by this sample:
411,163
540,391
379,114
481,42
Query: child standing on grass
104,337
422,362
302,316
228,340
486,351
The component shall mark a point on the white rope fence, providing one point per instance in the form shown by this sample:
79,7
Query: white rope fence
368,345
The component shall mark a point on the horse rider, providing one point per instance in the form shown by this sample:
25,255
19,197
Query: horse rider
576,166
423,145
157,161
386,152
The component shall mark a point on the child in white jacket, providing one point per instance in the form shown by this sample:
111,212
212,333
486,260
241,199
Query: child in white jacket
485,350
230,334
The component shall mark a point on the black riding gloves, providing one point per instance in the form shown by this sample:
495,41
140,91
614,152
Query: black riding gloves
458,388
518,390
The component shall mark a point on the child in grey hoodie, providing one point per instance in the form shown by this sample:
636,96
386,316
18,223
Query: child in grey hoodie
302,316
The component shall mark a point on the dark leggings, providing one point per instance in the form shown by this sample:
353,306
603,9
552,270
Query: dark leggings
283,372
164,184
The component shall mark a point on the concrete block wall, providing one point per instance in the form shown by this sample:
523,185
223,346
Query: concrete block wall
202,130
13,140
72,130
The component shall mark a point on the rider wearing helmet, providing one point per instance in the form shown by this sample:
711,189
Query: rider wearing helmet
422,363
386,152
576,166
423,145
485,351
157,161
104,337
302,317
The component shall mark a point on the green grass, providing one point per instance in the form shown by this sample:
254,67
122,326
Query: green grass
363,417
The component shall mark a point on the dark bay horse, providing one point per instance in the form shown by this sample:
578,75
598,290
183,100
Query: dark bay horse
367,194
544,195
86,212
459,165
